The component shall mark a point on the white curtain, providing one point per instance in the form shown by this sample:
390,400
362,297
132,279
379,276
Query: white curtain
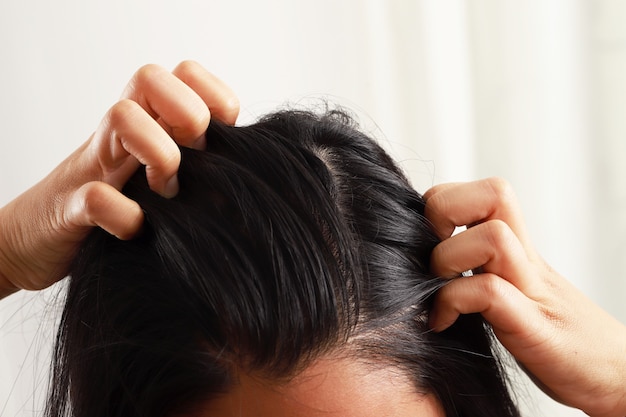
532,91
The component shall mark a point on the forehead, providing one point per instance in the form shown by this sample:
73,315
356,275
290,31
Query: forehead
328,387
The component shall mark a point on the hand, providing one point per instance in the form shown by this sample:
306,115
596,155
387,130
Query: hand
41,230
574,350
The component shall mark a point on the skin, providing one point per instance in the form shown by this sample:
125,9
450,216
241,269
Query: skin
332,386
572,348
41,229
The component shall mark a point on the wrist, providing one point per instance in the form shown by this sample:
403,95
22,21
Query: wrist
6,290
6,286
618,408
623,383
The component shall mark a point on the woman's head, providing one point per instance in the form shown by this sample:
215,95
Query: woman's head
294,242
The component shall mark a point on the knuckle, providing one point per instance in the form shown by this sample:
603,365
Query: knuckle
187,67
498,184
199,119
147,73
122,112
492,286
94,197
88,204
441,260
194,123
164,167
438,204
432,191
169,163
498,233
232,106
501,189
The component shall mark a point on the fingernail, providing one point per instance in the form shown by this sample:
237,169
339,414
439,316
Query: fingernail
171,188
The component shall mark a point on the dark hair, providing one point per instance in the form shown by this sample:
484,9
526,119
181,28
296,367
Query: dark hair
289,238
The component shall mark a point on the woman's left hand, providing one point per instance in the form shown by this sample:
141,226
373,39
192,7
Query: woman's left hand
574,350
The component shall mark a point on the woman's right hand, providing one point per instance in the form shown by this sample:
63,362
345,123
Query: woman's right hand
41,229
574,350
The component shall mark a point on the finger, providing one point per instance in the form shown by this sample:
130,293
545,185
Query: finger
506,308
444,229
438,199
220,99
492,246
127,130
440,188
472,203
100,204
181,112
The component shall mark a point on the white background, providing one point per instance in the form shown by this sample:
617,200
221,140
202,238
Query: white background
533,91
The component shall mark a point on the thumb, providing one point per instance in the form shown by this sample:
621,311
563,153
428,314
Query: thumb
100,204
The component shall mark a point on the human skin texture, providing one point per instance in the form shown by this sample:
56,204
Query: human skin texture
334,385
574,350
